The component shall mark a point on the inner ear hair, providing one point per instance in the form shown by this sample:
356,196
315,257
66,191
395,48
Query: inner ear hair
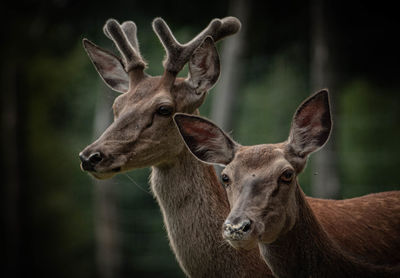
205,140
204,66
311,125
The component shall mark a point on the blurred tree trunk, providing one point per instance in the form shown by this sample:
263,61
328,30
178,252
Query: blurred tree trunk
224,99
325,179
11,173
231,69
106,217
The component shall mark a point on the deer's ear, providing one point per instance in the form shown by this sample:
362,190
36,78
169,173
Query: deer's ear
204,67
205,140
311,125
108,66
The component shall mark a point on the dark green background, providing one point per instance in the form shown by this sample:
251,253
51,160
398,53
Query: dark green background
51,85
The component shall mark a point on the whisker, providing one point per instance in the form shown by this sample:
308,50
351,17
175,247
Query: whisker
224,243
137,185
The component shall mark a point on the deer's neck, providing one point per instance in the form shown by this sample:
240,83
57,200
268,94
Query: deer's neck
308,251
187,181
194,206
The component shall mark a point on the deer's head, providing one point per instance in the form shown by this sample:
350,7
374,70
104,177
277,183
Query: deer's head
260,180
143,133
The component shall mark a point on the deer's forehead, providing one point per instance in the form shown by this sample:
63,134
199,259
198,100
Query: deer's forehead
145,90
144,95
259,157
149,91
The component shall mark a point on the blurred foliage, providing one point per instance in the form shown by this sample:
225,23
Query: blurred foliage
368,139
58,90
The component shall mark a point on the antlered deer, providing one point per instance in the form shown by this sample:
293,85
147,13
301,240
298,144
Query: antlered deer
143,134
269,208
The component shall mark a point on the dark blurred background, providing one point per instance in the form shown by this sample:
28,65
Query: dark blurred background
59,222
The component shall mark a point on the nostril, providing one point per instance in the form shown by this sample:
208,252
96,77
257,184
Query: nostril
246,226
95,158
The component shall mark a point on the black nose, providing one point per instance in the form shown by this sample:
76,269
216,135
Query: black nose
89,162
237,231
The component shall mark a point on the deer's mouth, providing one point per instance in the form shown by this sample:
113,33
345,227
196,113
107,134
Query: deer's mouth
103,175
116,169
247,244
106,175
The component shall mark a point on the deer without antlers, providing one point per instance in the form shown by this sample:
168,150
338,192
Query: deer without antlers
297,236
143,134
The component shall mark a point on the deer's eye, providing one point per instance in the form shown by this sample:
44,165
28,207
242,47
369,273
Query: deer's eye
287,176
225,180
165,110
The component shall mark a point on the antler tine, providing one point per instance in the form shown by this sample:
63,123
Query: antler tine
230,25
124,37
178,54
130,30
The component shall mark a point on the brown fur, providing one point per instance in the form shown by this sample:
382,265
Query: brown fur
308,250
368,225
